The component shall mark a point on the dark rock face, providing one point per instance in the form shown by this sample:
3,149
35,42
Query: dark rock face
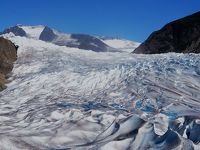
8,54
16,30
89,43
47,35
181,36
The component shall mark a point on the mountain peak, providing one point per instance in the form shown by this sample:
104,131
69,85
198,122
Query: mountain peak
16,30
81,41
47,34
26,31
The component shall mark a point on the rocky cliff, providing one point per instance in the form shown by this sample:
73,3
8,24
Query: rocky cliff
8,54
181,36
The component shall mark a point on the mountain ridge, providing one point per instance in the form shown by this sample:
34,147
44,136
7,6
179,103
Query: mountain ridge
47,34
181,36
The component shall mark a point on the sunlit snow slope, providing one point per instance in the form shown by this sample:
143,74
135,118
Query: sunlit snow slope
121,44
33,31
60,98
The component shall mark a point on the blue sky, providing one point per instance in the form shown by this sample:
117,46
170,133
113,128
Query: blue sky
131,19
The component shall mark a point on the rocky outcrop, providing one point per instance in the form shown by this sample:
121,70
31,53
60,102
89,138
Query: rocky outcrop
89,43
181,36
47,35
8,54
16,30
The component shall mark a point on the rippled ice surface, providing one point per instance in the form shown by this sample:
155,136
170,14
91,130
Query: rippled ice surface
62,98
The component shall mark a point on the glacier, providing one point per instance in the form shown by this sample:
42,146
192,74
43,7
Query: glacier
66,98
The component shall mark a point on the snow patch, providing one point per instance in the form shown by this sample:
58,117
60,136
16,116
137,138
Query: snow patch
33,31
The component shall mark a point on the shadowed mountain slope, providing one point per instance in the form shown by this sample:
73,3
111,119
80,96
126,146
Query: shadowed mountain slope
181,36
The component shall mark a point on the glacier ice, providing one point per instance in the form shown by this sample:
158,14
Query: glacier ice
60,97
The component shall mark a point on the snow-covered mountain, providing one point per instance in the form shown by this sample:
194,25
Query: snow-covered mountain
81,41
121,44
61,97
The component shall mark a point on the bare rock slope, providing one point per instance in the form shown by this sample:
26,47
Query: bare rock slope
8,54
181,36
